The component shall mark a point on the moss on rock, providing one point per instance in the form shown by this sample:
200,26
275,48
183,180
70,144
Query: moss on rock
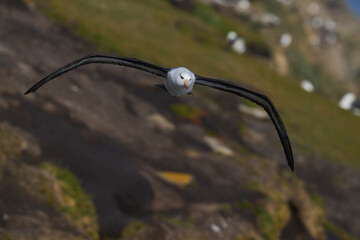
70,198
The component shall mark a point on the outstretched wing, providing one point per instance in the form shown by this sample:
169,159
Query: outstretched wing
259,99
104,59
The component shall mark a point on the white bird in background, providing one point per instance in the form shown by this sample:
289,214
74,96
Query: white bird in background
307,85
180,81
347,101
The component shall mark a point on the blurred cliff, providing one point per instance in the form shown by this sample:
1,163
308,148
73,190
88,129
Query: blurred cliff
101,153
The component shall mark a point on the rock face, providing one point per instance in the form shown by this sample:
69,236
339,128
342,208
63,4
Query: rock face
32,197
117,137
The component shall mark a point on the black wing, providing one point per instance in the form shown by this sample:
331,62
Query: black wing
259,99
104,59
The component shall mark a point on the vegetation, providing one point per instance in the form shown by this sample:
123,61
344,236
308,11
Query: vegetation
273,7
133,229
318,200
6,236
9,143
75,202
267,223
244,205
341,234
301,69
188,112
241,128
179,221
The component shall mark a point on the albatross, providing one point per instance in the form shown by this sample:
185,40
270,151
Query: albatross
180,81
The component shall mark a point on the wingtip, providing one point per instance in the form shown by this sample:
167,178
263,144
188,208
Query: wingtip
27,92
292,165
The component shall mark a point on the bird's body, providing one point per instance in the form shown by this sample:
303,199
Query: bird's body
175,80
180,81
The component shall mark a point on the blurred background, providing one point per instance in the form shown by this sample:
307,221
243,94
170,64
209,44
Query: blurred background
101,153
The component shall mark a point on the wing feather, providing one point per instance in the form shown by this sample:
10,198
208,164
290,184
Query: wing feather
253,96
259,99
104,59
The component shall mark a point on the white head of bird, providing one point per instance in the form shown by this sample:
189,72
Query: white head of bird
179,81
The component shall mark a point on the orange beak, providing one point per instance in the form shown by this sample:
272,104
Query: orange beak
186,84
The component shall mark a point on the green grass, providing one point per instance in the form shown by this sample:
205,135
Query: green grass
188,112
225,206
9,143
148,30
225,24
244,205
340,233
241,128
76,203
133,230
178,221
273,7
301,69
6,236
267,223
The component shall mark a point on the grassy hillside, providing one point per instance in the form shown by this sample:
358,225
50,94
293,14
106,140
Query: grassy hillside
154,31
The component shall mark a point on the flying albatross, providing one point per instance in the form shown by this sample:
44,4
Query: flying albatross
180,81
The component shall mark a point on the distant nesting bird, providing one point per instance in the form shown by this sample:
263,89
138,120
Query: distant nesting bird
180,81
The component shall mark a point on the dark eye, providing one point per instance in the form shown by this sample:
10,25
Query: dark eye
181,77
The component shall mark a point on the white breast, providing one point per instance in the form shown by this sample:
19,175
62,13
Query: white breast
174,83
